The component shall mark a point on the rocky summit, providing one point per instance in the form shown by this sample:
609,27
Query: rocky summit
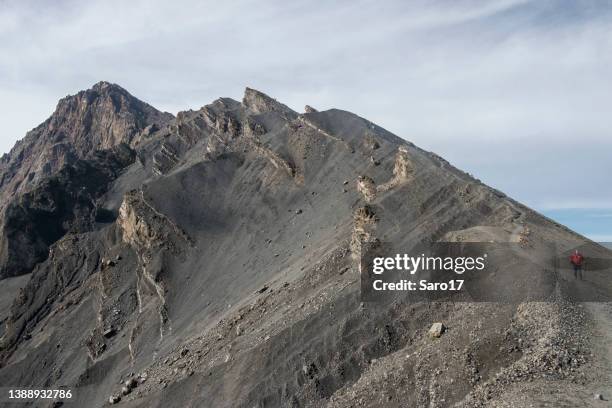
212,259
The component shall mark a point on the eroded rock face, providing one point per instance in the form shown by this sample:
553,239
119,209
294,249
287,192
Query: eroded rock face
102,117
258,102
367,187
153,236
143,227
136,229
402,170
64,203
97,119
364,229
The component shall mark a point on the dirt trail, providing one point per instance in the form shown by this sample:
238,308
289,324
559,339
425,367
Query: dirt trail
602,349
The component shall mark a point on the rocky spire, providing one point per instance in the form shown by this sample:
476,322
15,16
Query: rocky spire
259,102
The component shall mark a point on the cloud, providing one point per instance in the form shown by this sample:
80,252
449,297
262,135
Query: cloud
515,92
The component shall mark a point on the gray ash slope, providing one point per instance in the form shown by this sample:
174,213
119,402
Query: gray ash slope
213,260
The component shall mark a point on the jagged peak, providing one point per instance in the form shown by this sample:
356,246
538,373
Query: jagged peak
116,95
105,86
110,96
99,118
259,102
252,93
99,91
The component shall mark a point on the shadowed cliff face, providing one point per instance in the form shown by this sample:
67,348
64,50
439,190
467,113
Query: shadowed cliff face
34,176
214,260
62,203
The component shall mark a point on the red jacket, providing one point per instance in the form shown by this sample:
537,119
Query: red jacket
576,259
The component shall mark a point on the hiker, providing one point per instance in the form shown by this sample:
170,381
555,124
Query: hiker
576,259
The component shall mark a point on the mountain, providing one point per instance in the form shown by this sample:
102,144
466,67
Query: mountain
100,118
35,208
212,259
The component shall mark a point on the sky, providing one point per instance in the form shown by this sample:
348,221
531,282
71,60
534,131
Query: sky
515,92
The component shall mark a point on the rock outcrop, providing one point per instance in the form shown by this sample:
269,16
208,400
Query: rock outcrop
152,236
367,188
364,230
258,102
402,170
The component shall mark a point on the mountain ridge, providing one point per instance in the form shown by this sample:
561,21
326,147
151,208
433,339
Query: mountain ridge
219,264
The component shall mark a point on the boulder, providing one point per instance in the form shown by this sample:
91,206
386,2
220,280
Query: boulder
436,329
